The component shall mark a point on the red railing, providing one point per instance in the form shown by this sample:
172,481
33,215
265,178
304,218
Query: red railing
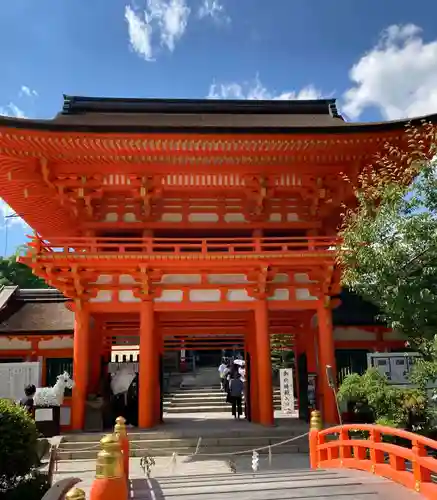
411,465
165,246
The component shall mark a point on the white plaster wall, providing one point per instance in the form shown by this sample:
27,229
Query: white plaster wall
102,296
104,279
111,217
234,217
239,296
126,279
171,217
205,217
56,343
352,333
129,217
170,296
127,296
204,295
304,294
14,344
181,279
223,279
280,294
280,278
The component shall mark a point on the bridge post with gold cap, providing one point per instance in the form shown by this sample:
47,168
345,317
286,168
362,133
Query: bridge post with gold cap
75,494
110,481
121,432
315,428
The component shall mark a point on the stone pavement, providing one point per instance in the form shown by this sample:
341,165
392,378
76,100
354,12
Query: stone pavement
286,477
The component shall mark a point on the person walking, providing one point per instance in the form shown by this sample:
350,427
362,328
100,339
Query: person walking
236,387
222,370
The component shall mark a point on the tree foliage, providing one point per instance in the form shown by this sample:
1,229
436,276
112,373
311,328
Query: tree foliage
282,354
389,251
14,273
388,405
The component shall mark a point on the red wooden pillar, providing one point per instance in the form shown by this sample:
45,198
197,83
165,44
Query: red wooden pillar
326,357
157,349
264,364
80,367
254,402
95,353
147,368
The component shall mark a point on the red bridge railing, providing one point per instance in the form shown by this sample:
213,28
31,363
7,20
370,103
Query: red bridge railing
165,246
411,465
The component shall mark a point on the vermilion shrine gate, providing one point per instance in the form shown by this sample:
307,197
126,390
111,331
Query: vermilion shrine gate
173,221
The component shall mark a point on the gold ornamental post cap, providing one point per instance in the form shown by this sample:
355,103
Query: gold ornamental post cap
120,426
108,463
120,420
110,443
75,494
316,421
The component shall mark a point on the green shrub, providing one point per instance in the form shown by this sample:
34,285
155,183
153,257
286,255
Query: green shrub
33,486
405,408
18,443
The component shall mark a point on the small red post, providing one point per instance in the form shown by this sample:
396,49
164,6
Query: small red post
315,428
110,482
121,433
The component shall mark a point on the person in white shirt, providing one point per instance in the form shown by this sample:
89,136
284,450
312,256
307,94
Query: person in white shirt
222,372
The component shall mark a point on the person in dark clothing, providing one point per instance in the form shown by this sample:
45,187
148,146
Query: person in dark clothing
236,388
27,401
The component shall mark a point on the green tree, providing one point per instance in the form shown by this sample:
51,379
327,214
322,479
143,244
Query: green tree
389,250
372,395
281,351
14,273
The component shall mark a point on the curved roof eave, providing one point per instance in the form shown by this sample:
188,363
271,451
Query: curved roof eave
27,124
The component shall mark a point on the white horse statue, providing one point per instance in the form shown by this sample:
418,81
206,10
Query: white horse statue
53,396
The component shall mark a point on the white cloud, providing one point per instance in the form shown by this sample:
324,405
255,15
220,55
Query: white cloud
162,21
255,90
213,9
398,76
28,92
12,110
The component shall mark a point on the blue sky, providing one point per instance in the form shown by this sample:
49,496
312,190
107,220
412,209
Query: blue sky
378,58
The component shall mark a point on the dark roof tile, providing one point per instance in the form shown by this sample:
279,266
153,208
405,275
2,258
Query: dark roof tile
39,317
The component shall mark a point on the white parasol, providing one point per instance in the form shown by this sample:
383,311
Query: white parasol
122,380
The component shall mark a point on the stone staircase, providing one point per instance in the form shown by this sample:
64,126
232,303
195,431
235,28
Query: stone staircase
223,436
196,399
200,393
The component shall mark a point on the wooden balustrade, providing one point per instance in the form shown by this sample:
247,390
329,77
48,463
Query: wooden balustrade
166,246
411,465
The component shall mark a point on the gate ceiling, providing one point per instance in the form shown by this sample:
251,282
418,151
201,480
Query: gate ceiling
203,329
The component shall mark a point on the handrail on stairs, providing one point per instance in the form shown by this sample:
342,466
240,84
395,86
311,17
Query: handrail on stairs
403,457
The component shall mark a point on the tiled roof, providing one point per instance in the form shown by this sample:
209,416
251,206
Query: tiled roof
38,310
39,317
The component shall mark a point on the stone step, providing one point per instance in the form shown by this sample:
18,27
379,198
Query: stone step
199,409
216,430
86,450
197,394
205,442
220,403
198,397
